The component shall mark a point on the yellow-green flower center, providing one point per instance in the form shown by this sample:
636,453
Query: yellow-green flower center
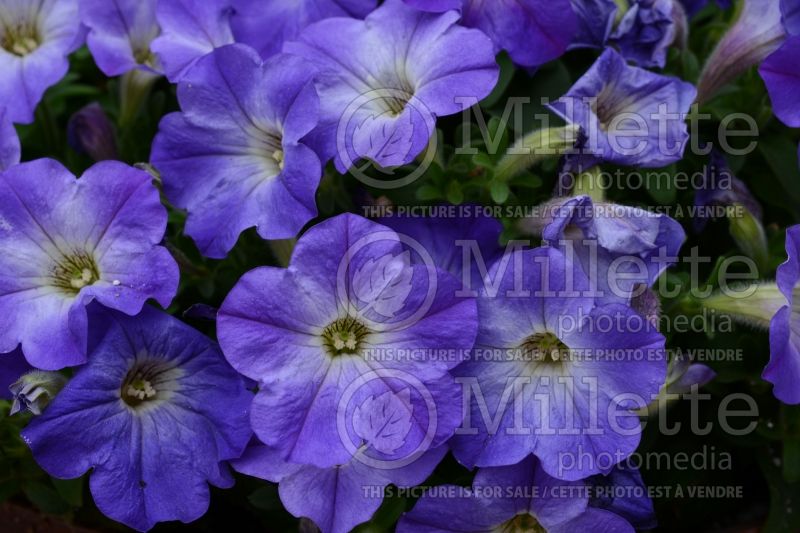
74,272
544,348
20,39
344,336
523,523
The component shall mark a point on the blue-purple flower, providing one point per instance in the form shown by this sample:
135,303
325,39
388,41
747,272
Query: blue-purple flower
521,497
630,116
790,12
621,249
153,415
554,374
773,306
596,21
235,157
645,32
720,187
267,25
12,366
120,34
337,498
352,345
532,31
9,142
90,132
190,29
35,40
781,73
465,246
69,242
371,108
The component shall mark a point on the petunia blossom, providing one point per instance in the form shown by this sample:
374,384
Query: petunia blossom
373,110
521,497
12,366
120,34
781,74
35,40
466,246
557,375
69,242
645,32
9,142
630,116
621,249
235,156
267,25
773,306
190,29
532,31
144,417
337,498
352,345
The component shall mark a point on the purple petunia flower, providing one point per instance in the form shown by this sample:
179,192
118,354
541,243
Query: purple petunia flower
352,345
790,12
373,110
337,498
90,132
773,306
630,116
645,32
781,74
35,40
624,493
120,34
522,497
145,416
267,25
596,20
10,148
465,246
12,366
621,249
190,29
532,31
235,157
553,373
70,242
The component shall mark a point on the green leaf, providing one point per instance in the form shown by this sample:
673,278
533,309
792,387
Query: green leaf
70,490
499,191
781,156
45,498
454,193
427,193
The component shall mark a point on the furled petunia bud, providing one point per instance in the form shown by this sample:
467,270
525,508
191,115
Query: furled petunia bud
90,132
34,390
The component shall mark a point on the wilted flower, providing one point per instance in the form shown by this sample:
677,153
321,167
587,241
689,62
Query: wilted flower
90,132
532,31
621,249
35,40
191,29
774,306
120,33
756,34
373,110
337,498
521,497
266,26
235,157
145,416
630,116
34,390
69,242
645,32
325,338
548,333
